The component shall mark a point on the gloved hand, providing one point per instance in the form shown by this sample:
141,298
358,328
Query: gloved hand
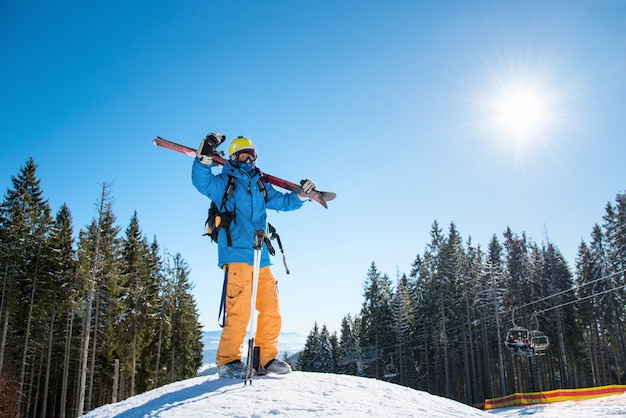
207,147
307,187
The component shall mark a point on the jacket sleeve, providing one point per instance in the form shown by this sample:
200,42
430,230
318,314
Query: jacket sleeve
282,201
206,182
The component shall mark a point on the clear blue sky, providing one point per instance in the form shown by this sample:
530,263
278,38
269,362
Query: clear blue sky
412,111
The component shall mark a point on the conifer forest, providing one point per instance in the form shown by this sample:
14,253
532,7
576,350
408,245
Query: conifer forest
100,315
86,320
452,325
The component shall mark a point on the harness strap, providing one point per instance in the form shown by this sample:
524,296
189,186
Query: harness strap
226,219
263,189
228,192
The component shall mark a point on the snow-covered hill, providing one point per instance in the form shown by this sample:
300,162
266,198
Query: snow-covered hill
298,394
301,394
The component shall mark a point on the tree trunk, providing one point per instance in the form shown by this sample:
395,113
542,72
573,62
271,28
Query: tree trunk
66,362
94,348
3,340
27,336
4,311
133,365
487,361
90,297
85,350
562,353
469,387
173,365
445,348
44,396
158,356
503,391
473,381
116,377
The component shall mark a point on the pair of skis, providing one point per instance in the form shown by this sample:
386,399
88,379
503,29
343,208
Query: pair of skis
318,196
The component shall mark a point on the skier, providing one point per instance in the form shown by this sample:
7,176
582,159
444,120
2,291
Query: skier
244,212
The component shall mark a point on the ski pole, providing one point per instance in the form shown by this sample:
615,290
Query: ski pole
259,236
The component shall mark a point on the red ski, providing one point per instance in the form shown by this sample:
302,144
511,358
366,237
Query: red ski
320,197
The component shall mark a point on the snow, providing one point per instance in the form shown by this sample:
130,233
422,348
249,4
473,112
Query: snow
302,394
608,406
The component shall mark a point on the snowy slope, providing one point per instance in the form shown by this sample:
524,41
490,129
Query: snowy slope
298,394
301,394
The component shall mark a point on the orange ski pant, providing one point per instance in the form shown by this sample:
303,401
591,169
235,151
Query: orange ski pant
238,308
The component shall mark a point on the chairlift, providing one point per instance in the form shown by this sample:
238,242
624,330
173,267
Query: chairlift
518,339
390,369
361,356
539,341
348,355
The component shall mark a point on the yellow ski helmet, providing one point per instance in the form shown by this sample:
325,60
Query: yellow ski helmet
239,144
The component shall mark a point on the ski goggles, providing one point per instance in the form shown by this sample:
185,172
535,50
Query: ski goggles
246,156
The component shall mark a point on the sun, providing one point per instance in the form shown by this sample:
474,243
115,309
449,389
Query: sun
521,113
517,112
516,102
518,106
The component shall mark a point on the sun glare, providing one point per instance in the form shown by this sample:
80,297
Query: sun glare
519,112
522,114
517,102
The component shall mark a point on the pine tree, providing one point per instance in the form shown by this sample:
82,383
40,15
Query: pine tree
492,300
349,359
614,227
61,293
518,284
450,261
325,356
422,327
25,224
472,263
517,269
561,318
377,331
602,283
138,300
320,351
306,360
333,339
403,323
432,313
98,274
156,349
185,350
615,231
427,313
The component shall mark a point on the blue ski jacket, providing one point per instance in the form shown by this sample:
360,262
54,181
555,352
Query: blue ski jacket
248,204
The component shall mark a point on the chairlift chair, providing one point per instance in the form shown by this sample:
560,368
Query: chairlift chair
390,369
539,341
517,339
